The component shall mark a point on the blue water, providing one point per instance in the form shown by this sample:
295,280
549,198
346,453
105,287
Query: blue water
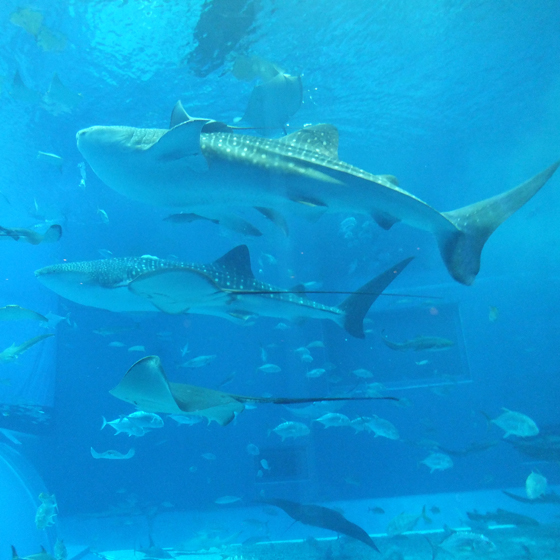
459,100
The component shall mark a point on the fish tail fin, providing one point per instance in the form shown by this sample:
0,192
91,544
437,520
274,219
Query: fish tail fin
14,553
104,422
356,306
425,516
53,234
461,249
392,345
433,547
488,420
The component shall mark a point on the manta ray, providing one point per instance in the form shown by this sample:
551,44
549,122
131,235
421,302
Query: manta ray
145,385
208,168
225,288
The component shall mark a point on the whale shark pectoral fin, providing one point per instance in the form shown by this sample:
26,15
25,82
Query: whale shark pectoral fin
182,142
53,234
174,291
462,246
275,217
384,220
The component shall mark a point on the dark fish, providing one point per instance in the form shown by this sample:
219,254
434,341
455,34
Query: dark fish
473,447
501,517
319,516
544,446
550,498
153,551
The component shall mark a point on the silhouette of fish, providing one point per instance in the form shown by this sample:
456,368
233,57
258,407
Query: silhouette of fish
226,288
207,167
320,516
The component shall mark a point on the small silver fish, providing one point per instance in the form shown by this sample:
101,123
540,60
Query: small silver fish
103,215
51,159
209,456
269,368
314,373
186,420
291,430
112,454
437,462
199,361
224,500
334,419
252,449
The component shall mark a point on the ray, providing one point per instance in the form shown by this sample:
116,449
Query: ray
319,516
146,386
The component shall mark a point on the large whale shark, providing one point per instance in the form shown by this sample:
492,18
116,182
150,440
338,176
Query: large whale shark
210,168
224,288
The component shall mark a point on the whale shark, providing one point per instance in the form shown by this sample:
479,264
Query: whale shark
209,168
224,288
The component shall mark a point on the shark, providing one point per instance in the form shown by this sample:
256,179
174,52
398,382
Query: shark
209,168
225,288
13,352
419,343
52,235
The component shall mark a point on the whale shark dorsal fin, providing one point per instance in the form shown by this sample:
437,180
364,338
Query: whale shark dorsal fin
178,115
182,142
237,260
321,138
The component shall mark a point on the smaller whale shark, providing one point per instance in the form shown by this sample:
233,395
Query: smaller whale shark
224,288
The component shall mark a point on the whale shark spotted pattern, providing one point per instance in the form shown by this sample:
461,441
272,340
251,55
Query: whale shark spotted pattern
209,168
225,288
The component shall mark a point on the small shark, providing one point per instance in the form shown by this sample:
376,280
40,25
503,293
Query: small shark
501,517
13,352
209,167
419,343
225,288
21,234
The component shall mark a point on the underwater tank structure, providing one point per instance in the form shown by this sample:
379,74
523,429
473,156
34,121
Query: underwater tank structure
279,280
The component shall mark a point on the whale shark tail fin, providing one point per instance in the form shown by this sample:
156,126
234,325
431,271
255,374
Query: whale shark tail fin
461,249
356,306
